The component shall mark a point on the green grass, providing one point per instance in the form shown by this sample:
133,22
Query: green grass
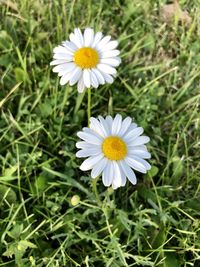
156,222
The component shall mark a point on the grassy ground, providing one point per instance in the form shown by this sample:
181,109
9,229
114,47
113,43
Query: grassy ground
155,223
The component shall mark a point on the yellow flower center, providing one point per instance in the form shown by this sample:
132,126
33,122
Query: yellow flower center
114,148
86,57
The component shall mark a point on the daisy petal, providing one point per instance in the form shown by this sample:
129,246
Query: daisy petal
92,139
92,132
110,46
83,145
135,164
123,177
133,134
140,141
91,151
94,80
97,127
70,46
116,126
98,168
65,78
140,147
108,78
97,38
75,40
61,49
139,153
125,125
132,126
107,175
117,181
88,37
57,62
81,85
65,71
99,76
109,121
90,162
104,126
142,161
76,75
86,78
64,56
111,53
67,66
79,36
106,69
128,172
103,42
111,61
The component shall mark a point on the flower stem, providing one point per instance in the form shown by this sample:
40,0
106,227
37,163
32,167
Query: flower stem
94,187
89,105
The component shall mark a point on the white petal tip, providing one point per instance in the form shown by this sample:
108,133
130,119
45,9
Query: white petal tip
106,185
77,154
114,187
83,168
62,83
78,134
133,182
80,92
148,139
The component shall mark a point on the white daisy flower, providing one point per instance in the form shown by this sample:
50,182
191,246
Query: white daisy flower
114,148
88,59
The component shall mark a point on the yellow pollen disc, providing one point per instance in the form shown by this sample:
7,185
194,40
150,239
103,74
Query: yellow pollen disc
86,58
114,148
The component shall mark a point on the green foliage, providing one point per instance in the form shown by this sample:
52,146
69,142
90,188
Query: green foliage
51,213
